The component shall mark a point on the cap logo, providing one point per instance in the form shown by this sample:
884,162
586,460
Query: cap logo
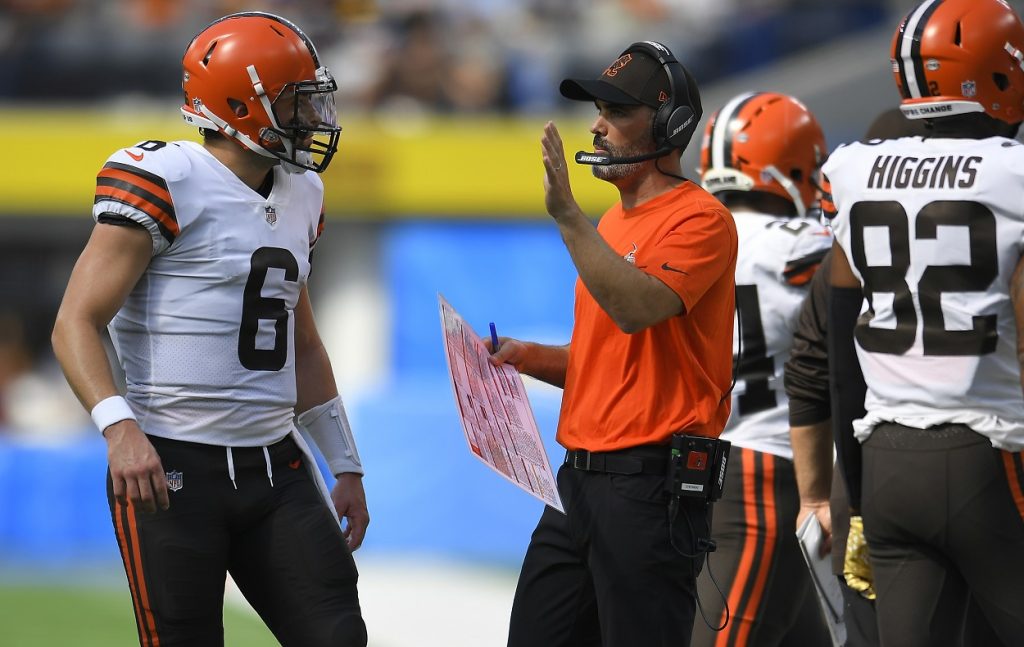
619,63
662,96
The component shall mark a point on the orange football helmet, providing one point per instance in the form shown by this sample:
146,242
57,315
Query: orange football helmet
764,141
256,78
952,57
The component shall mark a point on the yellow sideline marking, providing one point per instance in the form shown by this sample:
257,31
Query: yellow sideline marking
393,166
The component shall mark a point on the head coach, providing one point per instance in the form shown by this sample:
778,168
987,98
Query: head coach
646,375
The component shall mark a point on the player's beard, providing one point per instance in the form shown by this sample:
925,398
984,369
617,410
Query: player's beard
619,171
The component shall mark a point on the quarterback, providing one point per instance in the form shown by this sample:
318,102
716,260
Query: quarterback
197,265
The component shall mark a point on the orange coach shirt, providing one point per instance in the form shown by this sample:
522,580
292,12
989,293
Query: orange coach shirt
624,390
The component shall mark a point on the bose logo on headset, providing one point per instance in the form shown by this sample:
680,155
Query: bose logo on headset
684,125
658,46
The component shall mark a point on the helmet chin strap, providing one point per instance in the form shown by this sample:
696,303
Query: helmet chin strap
289,146
790,188
230,131
215,122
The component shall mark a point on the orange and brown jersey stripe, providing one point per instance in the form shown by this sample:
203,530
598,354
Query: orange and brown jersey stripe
319,226
139,189
316,237
801,270
1014,464
828,207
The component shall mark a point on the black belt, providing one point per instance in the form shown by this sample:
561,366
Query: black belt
645,460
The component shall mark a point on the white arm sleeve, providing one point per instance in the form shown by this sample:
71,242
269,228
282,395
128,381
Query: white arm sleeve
328,426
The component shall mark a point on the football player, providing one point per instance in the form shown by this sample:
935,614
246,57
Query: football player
198,266
760,157
927,292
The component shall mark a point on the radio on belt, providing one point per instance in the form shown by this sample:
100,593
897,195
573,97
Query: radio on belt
697,466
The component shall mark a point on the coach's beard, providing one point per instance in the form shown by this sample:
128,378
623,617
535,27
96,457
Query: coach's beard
619,171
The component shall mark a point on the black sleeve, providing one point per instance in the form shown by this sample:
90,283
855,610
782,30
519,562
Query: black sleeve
119,220
847,383
806,371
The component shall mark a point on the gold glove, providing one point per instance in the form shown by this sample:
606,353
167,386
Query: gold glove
856,567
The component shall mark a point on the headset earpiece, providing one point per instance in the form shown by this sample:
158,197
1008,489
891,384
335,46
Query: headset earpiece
678,122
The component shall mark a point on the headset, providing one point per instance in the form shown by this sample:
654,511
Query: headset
674,122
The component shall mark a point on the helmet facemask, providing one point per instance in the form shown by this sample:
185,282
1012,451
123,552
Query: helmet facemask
304,132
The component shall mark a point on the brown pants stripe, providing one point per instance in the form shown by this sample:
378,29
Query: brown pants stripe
763,575
132,558
747,588
1014,464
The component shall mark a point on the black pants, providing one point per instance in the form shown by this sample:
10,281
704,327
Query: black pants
859,617
758,565
278,540
943,519
606,574
858,612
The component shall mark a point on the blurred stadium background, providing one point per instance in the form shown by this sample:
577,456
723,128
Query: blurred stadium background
437,189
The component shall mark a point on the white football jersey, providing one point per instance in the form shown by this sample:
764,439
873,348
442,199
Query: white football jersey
777,258
933,229
206,336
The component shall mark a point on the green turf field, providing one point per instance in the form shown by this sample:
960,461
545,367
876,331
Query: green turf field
49,615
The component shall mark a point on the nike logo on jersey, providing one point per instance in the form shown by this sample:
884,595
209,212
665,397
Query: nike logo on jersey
295,463
669,268
137,158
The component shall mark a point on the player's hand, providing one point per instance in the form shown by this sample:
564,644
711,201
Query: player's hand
510,351
820,510
350,502
135,469
558,197
856,566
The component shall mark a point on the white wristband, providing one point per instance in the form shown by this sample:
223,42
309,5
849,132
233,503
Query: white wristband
111,410
328,426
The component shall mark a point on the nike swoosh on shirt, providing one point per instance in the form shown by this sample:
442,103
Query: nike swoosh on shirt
137,158
669,268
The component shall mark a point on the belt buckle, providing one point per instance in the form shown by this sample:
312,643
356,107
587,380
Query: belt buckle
577,464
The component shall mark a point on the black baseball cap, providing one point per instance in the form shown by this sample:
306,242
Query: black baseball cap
635,78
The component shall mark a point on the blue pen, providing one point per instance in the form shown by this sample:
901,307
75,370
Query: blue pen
494,338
